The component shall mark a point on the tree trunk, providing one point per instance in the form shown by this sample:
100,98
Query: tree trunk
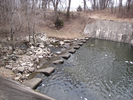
55,5
44,4
128,5
68,9
12,40
120,5
84,5
28,20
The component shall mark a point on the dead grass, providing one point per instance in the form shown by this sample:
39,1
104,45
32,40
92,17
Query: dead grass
6,72
123,16
73,27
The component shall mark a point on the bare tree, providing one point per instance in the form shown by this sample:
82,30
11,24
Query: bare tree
85,6
55,5
120,5
112,5
68,9
93,4
44,6
128,4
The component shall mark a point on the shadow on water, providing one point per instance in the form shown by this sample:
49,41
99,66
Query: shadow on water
99,70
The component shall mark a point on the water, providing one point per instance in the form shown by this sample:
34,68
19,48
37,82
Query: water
99,70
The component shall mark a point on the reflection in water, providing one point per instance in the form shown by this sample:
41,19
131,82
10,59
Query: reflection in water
99,70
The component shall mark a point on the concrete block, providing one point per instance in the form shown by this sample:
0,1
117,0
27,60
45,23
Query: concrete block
72,51
84,41
61,61
80,44
65,56
76,47
32,83
47,71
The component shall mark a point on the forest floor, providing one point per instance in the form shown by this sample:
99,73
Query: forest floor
74,27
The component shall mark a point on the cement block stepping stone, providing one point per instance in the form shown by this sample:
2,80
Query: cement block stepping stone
72,51
84,41
65,56
80,44
58,61
76,47
47,71
32,83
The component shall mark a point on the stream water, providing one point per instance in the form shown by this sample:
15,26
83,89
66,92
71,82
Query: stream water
99,70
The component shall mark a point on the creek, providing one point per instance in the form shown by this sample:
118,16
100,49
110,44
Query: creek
99,70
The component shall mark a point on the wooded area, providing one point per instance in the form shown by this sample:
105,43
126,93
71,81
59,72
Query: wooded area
19,16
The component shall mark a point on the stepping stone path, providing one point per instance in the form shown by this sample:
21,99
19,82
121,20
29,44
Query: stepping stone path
65,56
47,71
58,61
32,83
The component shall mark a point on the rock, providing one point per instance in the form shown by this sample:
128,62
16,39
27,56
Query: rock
16,78
72,51
38,40
86,38
63,49
62,43
20,52
131,44
35,65
84,41
40,57
15,70
37,61
23,77
29,53
46,71
13,57
51,45
38,67
41,45
43,61
65,56
67,41
58,61
67,45
20,69
32,83
31,69
47,42
8,67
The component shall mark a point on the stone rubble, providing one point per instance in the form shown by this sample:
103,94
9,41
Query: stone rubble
28,57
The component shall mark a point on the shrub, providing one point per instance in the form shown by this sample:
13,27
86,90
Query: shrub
59,22
79,9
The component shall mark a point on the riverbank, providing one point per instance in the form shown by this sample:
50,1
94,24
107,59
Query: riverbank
28,57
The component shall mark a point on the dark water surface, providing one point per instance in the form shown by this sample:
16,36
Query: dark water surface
99,70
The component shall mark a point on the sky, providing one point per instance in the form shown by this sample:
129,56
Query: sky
76,3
